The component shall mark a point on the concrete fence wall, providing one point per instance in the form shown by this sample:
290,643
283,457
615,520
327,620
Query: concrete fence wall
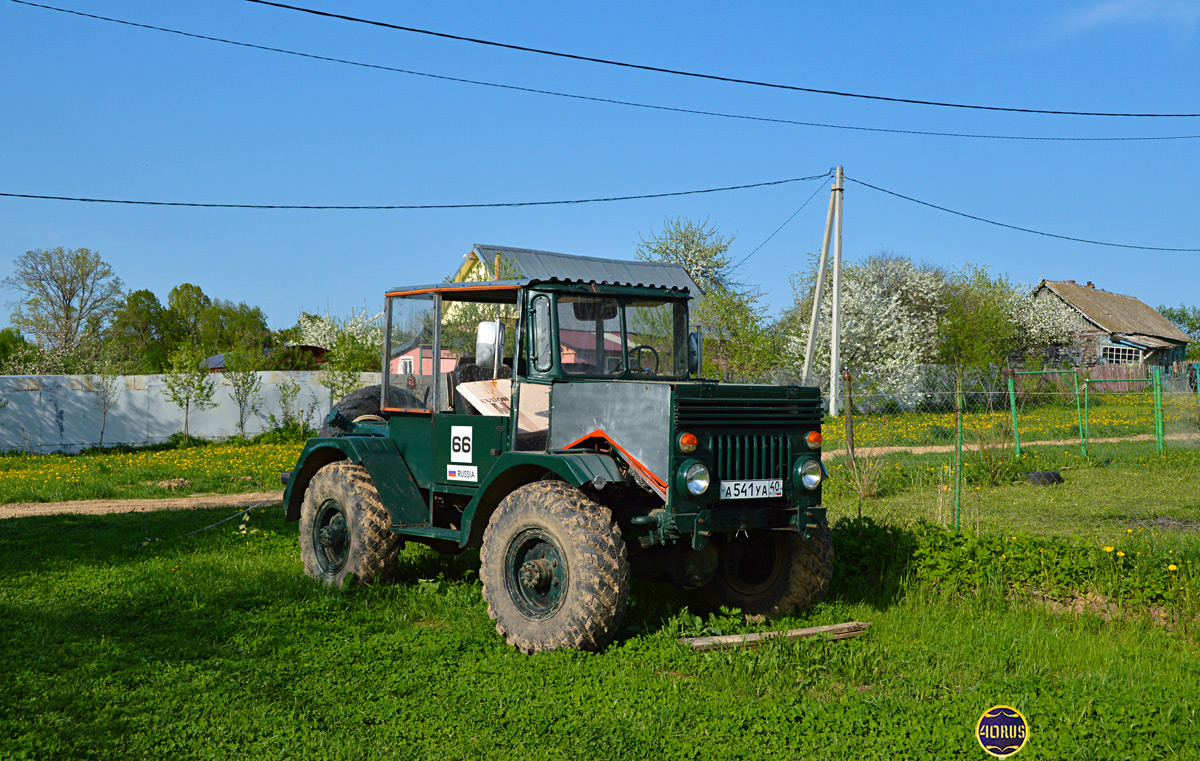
53,413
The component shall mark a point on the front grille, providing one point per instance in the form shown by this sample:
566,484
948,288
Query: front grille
751,456
755,413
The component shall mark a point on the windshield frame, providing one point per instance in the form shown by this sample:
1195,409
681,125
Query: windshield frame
673,368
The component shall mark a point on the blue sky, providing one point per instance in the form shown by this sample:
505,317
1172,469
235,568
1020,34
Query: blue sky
93,109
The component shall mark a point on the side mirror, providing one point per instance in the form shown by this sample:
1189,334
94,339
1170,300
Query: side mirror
489,344
695,349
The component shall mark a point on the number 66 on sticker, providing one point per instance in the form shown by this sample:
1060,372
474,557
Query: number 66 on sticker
460,443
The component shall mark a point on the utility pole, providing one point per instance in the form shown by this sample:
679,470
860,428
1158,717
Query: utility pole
835,343
819,293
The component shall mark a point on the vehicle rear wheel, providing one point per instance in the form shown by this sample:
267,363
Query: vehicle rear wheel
554,569
773,572
345,531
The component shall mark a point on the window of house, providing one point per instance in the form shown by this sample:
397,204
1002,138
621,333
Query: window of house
1121,355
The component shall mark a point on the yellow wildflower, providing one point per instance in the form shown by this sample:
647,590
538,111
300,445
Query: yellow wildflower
1172,567
1120,554
1108,549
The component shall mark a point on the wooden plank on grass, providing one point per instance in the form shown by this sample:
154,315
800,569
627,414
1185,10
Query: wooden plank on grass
833,631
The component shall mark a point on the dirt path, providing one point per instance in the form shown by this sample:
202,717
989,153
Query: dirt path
107,506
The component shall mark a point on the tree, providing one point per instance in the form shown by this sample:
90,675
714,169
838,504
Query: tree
738,342
890,309
187,305
1187,319
106,387
976,328
63,292
189,383
697,246
344,365
11,342
241,370
738,346
140,332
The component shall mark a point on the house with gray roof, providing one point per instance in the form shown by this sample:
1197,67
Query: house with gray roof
1116,329
488,262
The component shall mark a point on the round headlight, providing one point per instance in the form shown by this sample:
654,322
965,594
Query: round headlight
697,479
810,473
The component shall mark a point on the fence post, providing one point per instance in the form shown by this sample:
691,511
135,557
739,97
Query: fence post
1079,413
848,412
1087,415
1012,403
1158,410
958,414
1196,370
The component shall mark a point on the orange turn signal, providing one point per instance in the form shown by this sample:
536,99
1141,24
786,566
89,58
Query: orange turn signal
813,439
688,443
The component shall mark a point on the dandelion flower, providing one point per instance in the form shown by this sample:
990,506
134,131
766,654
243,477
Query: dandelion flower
1108,549
1172,567
1120,554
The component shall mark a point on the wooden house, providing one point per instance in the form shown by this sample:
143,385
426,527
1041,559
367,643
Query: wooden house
1115,329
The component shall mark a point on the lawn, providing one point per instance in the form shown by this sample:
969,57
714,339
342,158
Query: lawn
124,639
1039,418
211,469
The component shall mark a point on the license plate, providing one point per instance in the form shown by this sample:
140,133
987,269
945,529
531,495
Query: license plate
752,489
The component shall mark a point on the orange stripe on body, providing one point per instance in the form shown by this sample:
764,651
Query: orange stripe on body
632,460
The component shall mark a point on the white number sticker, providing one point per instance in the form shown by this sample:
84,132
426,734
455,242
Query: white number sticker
460,443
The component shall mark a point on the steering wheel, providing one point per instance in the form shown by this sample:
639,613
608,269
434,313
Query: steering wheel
635,355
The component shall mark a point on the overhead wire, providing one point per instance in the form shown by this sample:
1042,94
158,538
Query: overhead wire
1017,227
712,77
785,224
501,205
597,99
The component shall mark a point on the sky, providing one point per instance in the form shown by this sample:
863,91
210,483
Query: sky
94,109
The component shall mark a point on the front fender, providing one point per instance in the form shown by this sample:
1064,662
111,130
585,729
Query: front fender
383,461
515,469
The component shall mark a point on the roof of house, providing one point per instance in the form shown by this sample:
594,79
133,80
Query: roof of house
548,266
1115,313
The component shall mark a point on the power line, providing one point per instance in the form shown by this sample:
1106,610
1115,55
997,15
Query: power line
697,75
595,99
510,204
1020,229
785,223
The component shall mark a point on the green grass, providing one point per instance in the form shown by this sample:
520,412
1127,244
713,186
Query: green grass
1101,499
214,468
1054,417
121,639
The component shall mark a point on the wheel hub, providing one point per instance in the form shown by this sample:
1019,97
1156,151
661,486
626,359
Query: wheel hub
539,573
536,574
331,537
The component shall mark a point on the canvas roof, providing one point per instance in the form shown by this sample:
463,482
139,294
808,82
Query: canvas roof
548,266
1115,313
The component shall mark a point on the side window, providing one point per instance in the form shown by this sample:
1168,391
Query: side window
543,355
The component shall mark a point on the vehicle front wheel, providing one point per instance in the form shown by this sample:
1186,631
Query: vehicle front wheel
772,573
554,569
345,531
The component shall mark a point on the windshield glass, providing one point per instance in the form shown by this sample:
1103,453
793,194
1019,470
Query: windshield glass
603,335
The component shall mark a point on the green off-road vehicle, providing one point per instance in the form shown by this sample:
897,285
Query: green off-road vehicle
558,423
